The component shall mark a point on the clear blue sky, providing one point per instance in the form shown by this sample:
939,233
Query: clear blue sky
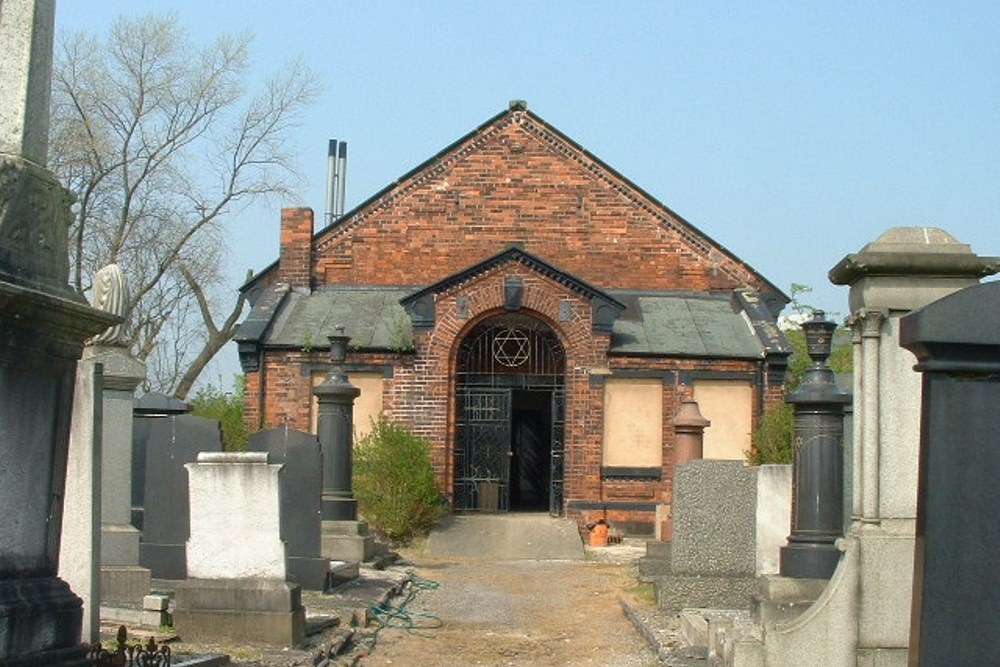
790,132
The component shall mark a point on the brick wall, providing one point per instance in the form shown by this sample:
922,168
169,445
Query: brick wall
516,182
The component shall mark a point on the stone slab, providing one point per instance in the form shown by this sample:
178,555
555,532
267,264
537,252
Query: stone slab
173,442
124,584
714,518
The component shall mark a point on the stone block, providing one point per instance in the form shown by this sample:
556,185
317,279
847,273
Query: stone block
119,544
252,611
154,619
312,574
359,548
124,584
657,549
235,517
678,591
156,602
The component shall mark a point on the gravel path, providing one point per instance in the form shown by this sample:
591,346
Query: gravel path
539,613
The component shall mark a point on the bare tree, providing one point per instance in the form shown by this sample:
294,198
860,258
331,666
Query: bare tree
162,143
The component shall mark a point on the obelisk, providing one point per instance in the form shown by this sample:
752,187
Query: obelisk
43,324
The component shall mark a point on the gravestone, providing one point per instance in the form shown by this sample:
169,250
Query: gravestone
301,501
713,555
956,610
149,407
173,442
236,589
43,324
80,552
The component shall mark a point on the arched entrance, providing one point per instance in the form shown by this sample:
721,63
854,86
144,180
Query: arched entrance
510,417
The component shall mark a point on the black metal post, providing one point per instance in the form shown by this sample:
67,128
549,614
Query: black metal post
818,473
335,430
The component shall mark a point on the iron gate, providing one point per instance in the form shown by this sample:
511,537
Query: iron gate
512,352
482,463
558,452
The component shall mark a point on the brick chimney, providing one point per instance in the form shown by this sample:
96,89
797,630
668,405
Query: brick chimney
295,261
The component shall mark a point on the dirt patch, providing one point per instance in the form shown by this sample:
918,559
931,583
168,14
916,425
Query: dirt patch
539,613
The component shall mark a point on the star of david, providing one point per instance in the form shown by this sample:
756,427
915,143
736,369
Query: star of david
511,347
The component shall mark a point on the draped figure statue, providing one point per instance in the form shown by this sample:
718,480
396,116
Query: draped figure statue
110,295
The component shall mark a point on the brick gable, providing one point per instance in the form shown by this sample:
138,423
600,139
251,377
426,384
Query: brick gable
517,180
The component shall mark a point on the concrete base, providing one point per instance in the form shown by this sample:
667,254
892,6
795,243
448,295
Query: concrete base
40,623
679,591
312,574
347,540
262,611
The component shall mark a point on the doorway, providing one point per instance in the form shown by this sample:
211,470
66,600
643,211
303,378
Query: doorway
508,452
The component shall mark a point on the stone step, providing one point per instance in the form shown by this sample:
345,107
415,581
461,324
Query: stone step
781,599
507,537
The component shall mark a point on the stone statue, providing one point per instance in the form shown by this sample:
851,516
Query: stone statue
110,295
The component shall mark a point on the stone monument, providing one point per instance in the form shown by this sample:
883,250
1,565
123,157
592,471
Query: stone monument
236,559
43,325
862,616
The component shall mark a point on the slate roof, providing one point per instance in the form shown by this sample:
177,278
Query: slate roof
677,324
685,325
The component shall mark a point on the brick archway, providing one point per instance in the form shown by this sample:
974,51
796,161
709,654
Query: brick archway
510,416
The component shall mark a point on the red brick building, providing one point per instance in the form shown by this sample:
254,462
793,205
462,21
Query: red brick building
532,314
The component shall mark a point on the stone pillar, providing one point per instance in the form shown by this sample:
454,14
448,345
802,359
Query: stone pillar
904,269
123,581
336,435
689,432
80,552
344,537
818,470
42,328
956,614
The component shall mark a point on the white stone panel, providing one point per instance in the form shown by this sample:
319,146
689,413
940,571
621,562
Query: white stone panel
235,517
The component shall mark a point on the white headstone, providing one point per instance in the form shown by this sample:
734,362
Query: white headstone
235,517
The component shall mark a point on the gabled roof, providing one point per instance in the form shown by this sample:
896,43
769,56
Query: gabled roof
515,254
564,144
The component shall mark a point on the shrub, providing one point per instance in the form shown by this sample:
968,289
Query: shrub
394,482
227,408
773,439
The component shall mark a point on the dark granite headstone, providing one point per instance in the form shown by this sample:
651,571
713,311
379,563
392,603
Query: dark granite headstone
956,610
149,407
301,501
173,441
